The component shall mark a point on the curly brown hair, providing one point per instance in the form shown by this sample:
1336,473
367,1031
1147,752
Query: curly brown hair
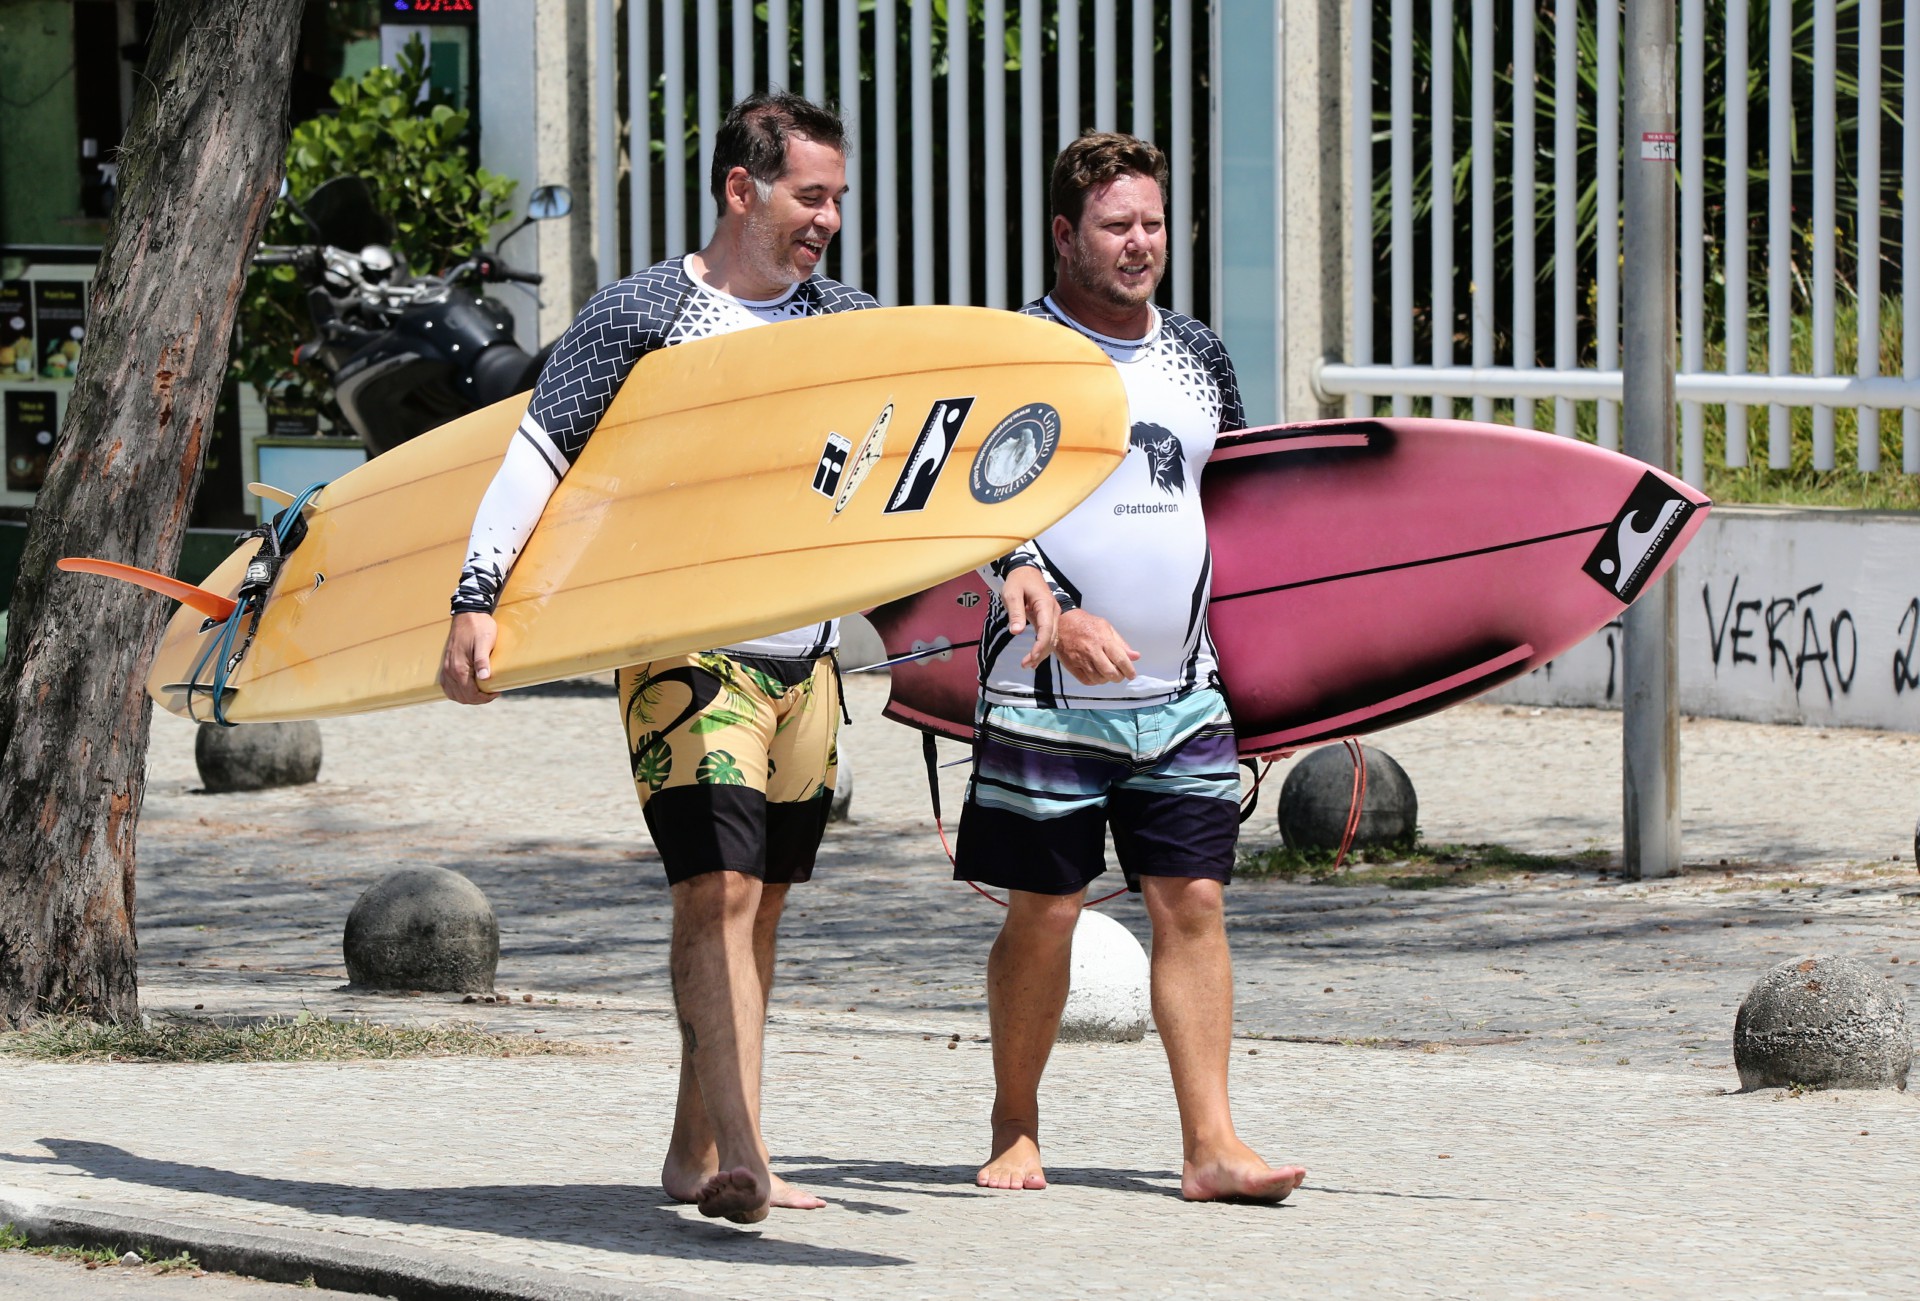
1096,158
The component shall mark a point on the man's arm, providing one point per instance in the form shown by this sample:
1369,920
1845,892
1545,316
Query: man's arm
575,388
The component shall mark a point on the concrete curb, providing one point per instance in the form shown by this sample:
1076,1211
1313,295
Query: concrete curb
294,1255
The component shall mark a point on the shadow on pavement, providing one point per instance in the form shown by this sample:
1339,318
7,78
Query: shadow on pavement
577,1215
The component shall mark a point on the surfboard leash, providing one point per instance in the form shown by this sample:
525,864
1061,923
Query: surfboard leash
1358,802
278,539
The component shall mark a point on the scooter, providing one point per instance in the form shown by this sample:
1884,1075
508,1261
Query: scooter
405,353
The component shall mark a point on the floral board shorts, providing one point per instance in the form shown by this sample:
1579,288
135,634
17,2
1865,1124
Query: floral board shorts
734,759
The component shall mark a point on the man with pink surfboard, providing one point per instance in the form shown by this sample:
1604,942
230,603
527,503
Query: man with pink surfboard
1134,734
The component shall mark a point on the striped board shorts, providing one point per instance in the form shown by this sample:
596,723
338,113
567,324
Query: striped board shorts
1048,784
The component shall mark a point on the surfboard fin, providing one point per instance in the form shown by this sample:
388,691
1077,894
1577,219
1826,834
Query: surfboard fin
267,492
211,604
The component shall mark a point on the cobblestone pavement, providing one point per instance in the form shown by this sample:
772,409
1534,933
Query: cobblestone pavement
1512,1088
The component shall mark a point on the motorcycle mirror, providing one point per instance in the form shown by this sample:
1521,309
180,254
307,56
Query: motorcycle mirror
548,202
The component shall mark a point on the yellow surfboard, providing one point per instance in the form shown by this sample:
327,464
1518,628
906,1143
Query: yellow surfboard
738,486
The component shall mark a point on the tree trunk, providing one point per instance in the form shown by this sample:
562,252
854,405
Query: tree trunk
198,176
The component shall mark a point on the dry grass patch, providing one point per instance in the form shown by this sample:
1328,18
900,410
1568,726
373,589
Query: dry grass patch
1416,867
304,1038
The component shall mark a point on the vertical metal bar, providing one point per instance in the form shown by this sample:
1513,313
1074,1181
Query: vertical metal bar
1105,117
1033,181
1481,287
1780,223
1180,214
1216,173
1826,59
1566,177
993,96
1441,115
1650,724
1143,69
640,132
743,22
813,49
1693,194
920,59
1736,241
1525,219
959,169
1068,83
1867,206
673,131
1607,197
707,96
779,47
606,158
1361,162
1400,137
886,150
1910,230
852,227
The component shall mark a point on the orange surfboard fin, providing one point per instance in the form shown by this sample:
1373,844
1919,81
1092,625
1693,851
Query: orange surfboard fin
208,603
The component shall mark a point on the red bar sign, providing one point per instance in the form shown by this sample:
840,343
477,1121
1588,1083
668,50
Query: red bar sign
1659,146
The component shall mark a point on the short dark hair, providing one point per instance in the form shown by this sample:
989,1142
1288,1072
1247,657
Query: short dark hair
755,133
1096,158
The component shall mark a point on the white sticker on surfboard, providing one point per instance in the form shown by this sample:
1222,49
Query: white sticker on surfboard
864,459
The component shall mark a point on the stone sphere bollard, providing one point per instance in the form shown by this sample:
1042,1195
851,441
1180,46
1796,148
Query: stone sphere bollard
423,928
256,756
1824,1022
1107,998
841,809
1318,795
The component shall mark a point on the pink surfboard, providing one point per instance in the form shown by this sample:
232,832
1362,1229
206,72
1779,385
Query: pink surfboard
1368,572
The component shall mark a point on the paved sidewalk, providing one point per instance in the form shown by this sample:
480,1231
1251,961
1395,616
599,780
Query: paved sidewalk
1508,1089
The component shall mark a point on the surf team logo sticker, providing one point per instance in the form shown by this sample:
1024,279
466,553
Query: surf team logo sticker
938,433
833,464
1631,548
864,459
1014,454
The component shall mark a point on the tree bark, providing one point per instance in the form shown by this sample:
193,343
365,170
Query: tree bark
199,171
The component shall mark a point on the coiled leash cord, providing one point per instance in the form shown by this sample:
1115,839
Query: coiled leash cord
278,539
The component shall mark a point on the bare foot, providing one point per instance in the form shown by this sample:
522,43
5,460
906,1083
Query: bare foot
683,1184
684,1177
1236,1173
1015,1162
789,1198
736,1195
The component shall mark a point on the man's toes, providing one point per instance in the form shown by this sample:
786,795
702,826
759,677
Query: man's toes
734,1195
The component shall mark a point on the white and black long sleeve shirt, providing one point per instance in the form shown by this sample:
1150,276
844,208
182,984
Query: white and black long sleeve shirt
656,308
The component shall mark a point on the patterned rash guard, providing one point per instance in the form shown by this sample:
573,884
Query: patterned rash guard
656,308
1135,552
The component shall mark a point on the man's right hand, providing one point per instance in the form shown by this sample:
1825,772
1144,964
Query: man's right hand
466,663
1092,651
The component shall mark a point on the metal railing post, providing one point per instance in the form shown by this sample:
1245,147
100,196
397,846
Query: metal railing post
1650,730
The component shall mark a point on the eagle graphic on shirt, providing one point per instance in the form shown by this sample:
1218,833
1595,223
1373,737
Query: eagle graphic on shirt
1165,460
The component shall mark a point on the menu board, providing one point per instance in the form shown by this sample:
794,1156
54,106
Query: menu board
17,361
32,423
59,324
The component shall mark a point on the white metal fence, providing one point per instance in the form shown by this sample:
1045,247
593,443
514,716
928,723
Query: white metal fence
955,119
1546,130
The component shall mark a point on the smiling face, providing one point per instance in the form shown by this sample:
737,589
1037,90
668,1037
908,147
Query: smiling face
1112,260
786,229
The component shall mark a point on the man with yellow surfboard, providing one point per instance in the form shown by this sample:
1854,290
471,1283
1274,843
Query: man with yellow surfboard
1135,737
733,749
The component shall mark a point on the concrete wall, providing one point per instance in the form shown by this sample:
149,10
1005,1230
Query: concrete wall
1786,616
1284,195
535,80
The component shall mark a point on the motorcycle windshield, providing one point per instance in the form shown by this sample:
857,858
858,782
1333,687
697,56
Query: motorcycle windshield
344,210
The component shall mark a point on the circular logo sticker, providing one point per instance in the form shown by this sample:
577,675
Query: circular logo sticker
1012,456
